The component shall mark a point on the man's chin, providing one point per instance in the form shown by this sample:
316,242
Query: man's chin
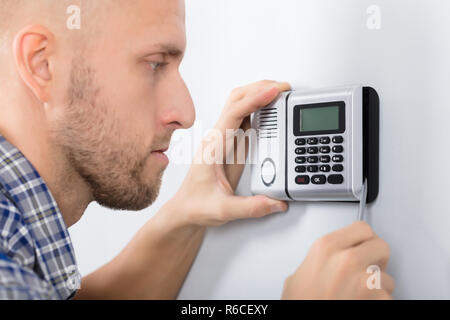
136,197
128,204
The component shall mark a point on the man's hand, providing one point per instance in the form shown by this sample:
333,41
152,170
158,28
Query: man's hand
335,267
206,197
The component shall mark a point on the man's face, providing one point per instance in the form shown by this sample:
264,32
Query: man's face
124,99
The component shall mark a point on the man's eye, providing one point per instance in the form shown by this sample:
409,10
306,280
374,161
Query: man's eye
157,65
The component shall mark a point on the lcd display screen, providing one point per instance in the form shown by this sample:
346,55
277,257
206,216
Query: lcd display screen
319,119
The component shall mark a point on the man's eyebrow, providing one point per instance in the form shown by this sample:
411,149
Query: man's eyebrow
167,48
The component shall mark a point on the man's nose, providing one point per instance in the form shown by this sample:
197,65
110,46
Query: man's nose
180,110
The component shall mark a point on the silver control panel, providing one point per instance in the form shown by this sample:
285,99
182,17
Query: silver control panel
308,146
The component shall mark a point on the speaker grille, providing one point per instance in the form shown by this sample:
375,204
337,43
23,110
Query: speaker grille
267,123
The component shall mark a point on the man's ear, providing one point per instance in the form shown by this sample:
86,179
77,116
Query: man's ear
32,48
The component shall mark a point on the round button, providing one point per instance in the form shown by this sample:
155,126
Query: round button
268,172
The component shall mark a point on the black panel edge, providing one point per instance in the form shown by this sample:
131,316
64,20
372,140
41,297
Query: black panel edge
371,141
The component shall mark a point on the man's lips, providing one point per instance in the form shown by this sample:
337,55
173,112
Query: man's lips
160,154
161,150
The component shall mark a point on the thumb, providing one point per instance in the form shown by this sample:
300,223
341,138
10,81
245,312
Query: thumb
240,207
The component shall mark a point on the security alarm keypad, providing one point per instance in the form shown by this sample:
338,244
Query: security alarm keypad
318,158
309,145
315,151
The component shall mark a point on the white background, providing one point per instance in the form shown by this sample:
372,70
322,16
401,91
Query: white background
316,44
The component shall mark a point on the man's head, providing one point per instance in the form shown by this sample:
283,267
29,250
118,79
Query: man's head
104,97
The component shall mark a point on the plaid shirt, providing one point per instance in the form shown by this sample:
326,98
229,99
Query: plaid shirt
37,259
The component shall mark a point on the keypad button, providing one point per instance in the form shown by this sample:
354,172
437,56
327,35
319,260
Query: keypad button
338,149
338,139
324,149
300,150
338,168
335,179
313,150
325,168
312,141
319,179
300,141
300,160
313,168
324,140
325,159
302,179
300,169
338,158
313,159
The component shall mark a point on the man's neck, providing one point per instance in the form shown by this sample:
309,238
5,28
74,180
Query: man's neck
70,191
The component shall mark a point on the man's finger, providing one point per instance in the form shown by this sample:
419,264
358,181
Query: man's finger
351,235
387,283
240,207
252,101
373,252
259,98
240,92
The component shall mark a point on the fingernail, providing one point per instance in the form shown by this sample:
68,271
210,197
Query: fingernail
282,85
279,207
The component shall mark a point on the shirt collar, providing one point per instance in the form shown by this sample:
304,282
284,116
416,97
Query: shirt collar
22,184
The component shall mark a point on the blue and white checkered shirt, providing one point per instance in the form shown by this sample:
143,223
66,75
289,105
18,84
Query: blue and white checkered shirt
37,259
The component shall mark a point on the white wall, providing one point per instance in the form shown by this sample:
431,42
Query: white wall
317,44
